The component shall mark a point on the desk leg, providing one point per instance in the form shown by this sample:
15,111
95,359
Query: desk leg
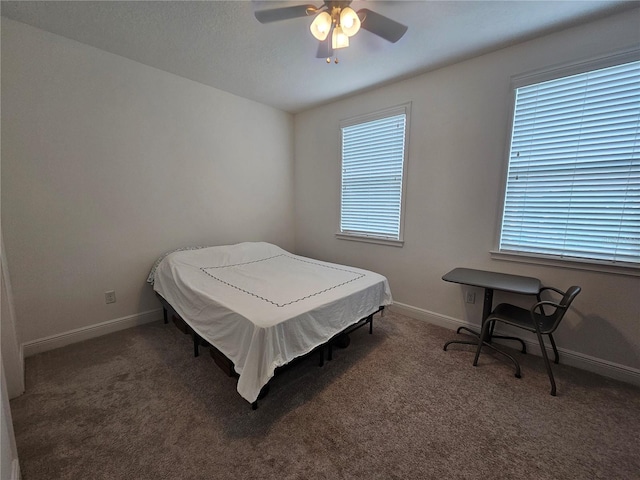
486,310
487,306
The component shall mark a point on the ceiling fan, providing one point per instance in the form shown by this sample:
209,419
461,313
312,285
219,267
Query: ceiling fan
335,22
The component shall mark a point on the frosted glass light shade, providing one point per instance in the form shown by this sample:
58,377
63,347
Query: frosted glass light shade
321,26
349,21
339,39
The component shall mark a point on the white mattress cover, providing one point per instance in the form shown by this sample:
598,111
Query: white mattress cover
262,306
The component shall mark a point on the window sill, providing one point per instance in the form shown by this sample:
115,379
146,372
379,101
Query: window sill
574,263
370,239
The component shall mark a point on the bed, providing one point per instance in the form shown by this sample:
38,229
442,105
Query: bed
261,306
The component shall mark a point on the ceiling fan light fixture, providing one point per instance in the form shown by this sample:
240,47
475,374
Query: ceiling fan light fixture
338,19
339,39
321,26
349,21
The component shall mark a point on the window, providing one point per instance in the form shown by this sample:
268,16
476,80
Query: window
573,181
373,170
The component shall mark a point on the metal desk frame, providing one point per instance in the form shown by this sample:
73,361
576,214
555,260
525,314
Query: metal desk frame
491,281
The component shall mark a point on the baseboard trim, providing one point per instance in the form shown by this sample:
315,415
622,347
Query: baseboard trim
92,331
428,316
567,357
15,469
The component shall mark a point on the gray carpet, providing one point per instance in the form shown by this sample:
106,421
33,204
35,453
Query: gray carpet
393,405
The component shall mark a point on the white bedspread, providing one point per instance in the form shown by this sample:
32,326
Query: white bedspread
262,306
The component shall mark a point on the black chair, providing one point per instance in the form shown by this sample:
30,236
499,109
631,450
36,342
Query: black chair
534,320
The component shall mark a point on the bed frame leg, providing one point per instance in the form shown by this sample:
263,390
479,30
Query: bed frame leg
321,364
196,342
370,324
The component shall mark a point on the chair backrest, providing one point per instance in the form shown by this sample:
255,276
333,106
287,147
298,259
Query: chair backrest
568,297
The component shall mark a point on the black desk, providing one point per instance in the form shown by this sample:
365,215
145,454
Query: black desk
491,281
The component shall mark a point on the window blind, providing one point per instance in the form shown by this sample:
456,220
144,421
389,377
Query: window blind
573,184
372,170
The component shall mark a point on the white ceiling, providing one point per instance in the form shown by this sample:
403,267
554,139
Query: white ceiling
221,44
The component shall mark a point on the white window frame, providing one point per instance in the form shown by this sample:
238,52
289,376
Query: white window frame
539,76
369,117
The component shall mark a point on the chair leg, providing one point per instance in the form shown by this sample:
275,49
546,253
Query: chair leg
547,364
556,360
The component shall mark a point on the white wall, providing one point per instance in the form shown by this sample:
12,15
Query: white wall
458,137
107,163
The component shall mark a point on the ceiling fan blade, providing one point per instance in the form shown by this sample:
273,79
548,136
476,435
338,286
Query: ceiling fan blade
382,26
325,50
284,13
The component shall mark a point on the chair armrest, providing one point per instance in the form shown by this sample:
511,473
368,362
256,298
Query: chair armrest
539,305
542,289
545,302
557,290
554,289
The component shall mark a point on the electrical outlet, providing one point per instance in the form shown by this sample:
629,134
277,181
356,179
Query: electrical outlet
471,297
110,296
